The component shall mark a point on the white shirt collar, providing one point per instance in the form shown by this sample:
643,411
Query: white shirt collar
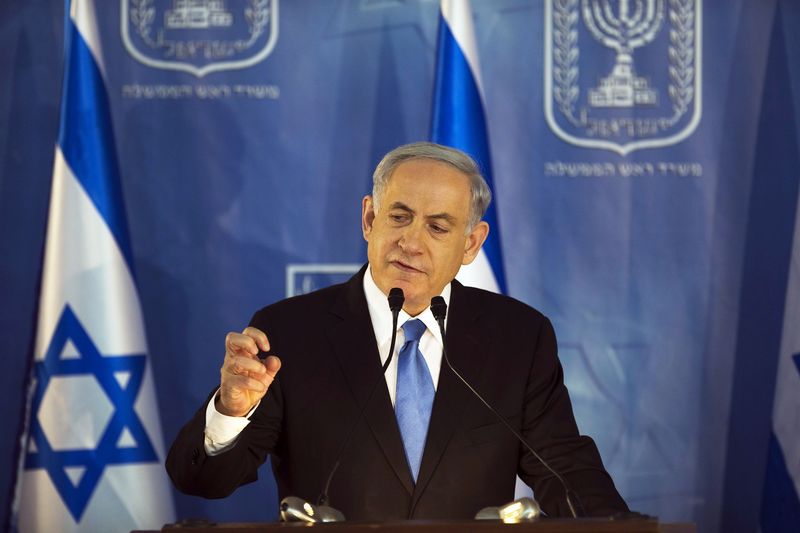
382,317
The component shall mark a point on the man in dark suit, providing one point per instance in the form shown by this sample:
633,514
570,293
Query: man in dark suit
426,447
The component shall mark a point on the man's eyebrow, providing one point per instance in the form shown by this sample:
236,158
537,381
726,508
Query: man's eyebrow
450,219
447,217
401,206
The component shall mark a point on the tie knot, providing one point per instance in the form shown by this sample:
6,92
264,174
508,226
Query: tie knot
413,329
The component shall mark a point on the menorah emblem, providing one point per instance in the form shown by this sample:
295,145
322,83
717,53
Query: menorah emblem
199,36
635,24
588,106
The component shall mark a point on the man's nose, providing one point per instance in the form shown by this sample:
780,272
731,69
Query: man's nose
411,239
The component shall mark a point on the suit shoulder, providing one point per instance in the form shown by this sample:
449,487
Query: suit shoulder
303,306
502,306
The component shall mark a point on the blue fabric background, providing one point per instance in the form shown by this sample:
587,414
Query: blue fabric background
666,291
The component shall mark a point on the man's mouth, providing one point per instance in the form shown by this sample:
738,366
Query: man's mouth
406,267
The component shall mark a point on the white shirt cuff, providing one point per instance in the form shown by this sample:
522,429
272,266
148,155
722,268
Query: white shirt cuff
222,431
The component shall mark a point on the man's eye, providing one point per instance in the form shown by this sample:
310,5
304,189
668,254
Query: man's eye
438,229
399,218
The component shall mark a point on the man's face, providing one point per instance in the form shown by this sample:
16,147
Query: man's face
417,238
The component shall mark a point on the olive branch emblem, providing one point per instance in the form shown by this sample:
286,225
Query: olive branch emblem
565,57
681,57
257,16
142,15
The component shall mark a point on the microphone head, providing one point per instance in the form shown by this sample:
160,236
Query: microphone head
396,299
438,308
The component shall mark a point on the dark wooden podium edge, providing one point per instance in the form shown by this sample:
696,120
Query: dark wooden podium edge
584,525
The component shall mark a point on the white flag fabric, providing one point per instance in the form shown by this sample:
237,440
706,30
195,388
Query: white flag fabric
459,121
93,449
780,504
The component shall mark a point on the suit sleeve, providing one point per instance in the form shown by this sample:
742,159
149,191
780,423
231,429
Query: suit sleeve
549,425
196,473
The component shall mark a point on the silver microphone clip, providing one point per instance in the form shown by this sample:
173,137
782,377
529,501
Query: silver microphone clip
521,510
294,509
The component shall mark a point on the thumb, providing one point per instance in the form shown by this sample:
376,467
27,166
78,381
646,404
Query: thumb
272,364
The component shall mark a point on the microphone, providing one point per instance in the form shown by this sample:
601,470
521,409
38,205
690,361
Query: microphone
439,310
295,509
396,299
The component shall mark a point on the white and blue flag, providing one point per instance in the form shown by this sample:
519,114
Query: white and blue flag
459,121
92,450
780,504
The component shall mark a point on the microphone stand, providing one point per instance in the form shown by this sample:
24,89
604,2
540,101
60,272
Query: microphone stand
439,310
396,299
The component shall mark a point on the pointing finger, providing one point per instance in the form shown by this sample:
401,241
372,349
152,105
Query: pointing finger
238,343
259,336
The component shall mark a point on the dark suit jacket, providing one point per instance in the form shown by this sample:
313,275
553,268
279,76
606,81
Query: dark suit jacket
330,360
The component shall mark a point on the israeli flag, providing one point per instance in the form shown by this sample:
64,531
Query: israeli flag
459,121
92,451
780,506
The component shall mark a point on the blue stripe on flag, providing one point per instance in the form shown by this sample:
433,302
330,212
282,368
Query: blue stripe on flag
780,506
87,138
459,121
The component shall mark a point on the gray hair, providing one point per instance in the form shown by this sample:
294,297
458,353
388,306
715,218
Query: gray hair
480,193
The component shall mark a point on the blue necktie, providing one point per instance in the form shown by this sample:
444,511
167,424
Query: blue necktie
414,395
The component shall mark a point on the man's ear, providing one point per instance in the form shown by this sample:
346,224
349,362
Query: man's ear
367,216
474,241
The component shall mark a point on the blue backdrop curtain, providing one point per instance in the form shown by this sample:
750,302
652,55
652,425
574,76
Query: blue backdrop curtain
647,193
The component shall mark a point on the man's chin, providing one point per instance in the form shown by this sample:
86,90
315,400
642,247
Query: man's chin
415,299
405,279
411,292
408,286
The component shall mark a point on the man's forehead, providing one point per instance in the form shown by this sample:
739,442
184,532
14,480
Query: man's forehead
418,175
426,165
428,195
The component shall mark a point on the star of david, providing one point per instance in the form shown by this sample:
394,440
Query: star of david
108,452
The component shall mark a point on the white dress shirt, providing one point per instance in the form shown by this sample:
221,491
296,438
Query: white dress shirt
430,344
222,431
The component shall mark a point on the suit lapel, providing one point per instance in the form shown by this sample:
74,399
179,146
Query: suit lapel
466,351
356,349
